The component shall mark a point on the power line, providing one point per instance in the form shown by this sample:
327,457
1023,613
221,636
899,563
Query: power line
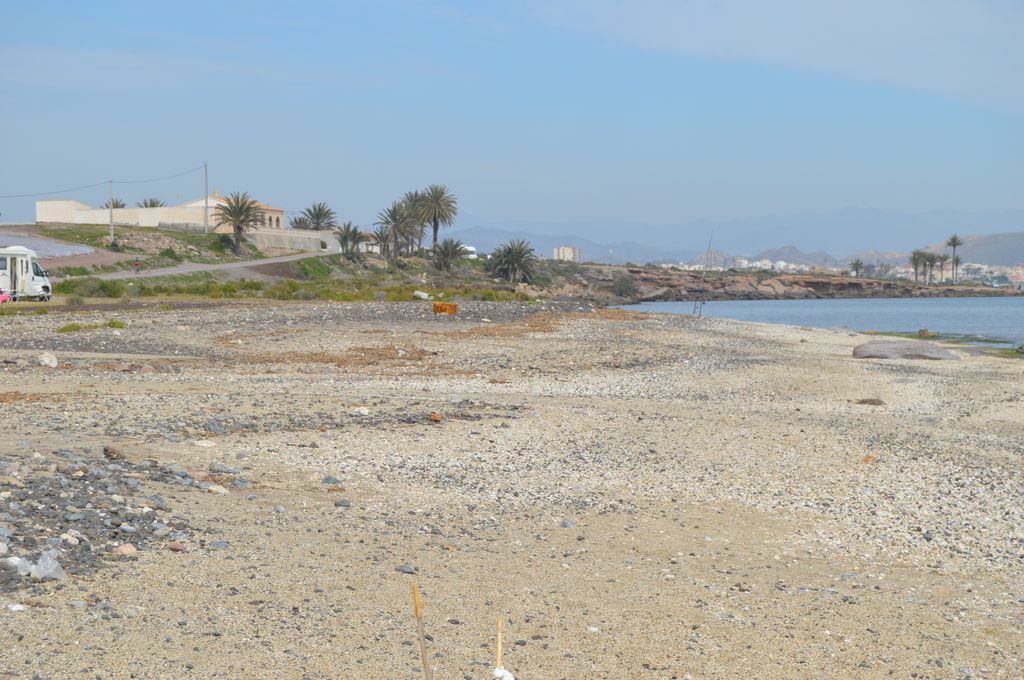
157,179
97,184
50,193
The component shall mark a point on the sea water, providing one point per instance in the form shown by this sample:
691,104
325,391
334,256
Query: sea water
998,319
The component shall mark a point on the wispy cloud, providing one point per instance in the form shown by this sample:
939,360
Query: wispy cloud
971,50
117,69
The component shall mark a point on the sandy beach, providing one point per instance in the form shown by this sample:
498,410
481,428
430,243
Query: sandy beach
640,496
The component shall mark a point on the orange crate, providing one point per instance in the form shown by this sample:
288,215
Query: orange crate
445,308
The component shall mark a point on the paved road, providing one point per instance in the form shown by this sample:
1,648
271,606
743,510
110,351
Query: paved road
192,267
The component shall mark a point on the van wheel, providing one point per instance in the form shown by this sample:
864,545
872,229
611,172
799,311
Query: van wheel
44,298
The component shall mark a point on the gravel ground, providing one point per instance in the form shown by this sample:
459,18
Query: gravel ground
639,496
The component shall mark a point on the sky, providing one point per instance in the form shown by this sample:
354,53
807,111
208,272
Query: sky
651,112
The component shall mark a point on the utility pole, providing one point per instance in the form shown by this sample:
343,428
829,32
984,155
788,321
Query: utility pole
110,205
206,202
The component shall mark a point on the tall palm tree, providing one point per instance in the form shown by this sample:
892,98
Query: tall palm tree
447,253
320,217
114,203
917,258
349,237
413,201
298,222
942,259
956,267
150,203
513,261
240,212
930,260
857,266
954,242
439,208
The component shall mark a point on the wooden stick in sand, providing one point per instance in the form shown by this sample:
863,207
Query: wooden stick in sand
497,657
418,611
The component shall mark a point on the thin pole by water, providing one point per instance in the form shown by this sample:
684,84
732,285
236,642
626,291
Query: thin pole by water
698,306
110,205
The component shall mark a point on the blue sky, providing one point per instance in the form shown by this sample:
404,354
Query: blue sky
649,112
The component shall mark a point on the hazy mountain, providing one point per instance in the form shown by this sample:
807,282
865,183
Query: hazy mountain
794,255
486,239
842,233
1001,249
878,257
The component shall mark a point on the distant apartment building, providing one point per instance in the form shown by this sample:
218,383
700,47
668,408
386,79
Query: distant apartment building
567,254
187,216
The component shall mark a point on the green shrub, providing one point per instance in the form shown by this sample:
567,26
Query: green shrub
70,328
624,286
116,323
170,254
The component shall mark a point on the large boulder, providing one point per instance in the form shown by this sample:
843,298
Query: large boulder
901,349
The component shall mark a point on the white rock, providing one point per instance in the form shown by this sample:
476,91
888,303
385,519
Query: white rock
47,359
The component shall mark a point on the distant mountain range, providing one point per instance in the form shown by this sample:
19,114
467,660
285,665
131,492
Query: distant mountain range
818,239
617,252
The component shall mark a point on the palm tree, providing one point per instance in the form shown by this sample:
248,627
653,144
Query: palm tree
439,208
942,259
239,211
349,237
513,261
930,260
447,253
114,203
954,242
413,201
401,223
298,222
917,258
857,266
319,216
150,203
956,267
383,238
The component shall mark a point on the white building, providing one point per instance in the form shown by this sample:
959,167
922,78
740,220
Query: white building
567,254
187,216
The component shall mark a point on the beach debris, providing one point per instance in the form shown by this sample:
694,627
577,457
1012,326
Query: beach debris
435,416
418,612
420,295
868,459
47,359
449,308
896,349
46,567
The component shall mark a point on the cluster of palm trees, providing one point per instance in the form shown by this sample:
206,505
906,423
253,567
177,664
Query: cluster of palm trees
400,231
924,262
402,225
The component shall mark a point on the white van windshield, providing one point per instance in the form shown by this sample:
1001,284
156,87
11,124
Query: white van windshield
36,269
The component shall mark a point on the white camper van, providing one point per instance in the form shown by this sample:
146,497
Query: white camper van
21,276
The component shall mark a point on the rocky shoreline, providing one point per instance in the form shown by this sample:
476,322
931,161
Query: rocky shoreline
657,284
